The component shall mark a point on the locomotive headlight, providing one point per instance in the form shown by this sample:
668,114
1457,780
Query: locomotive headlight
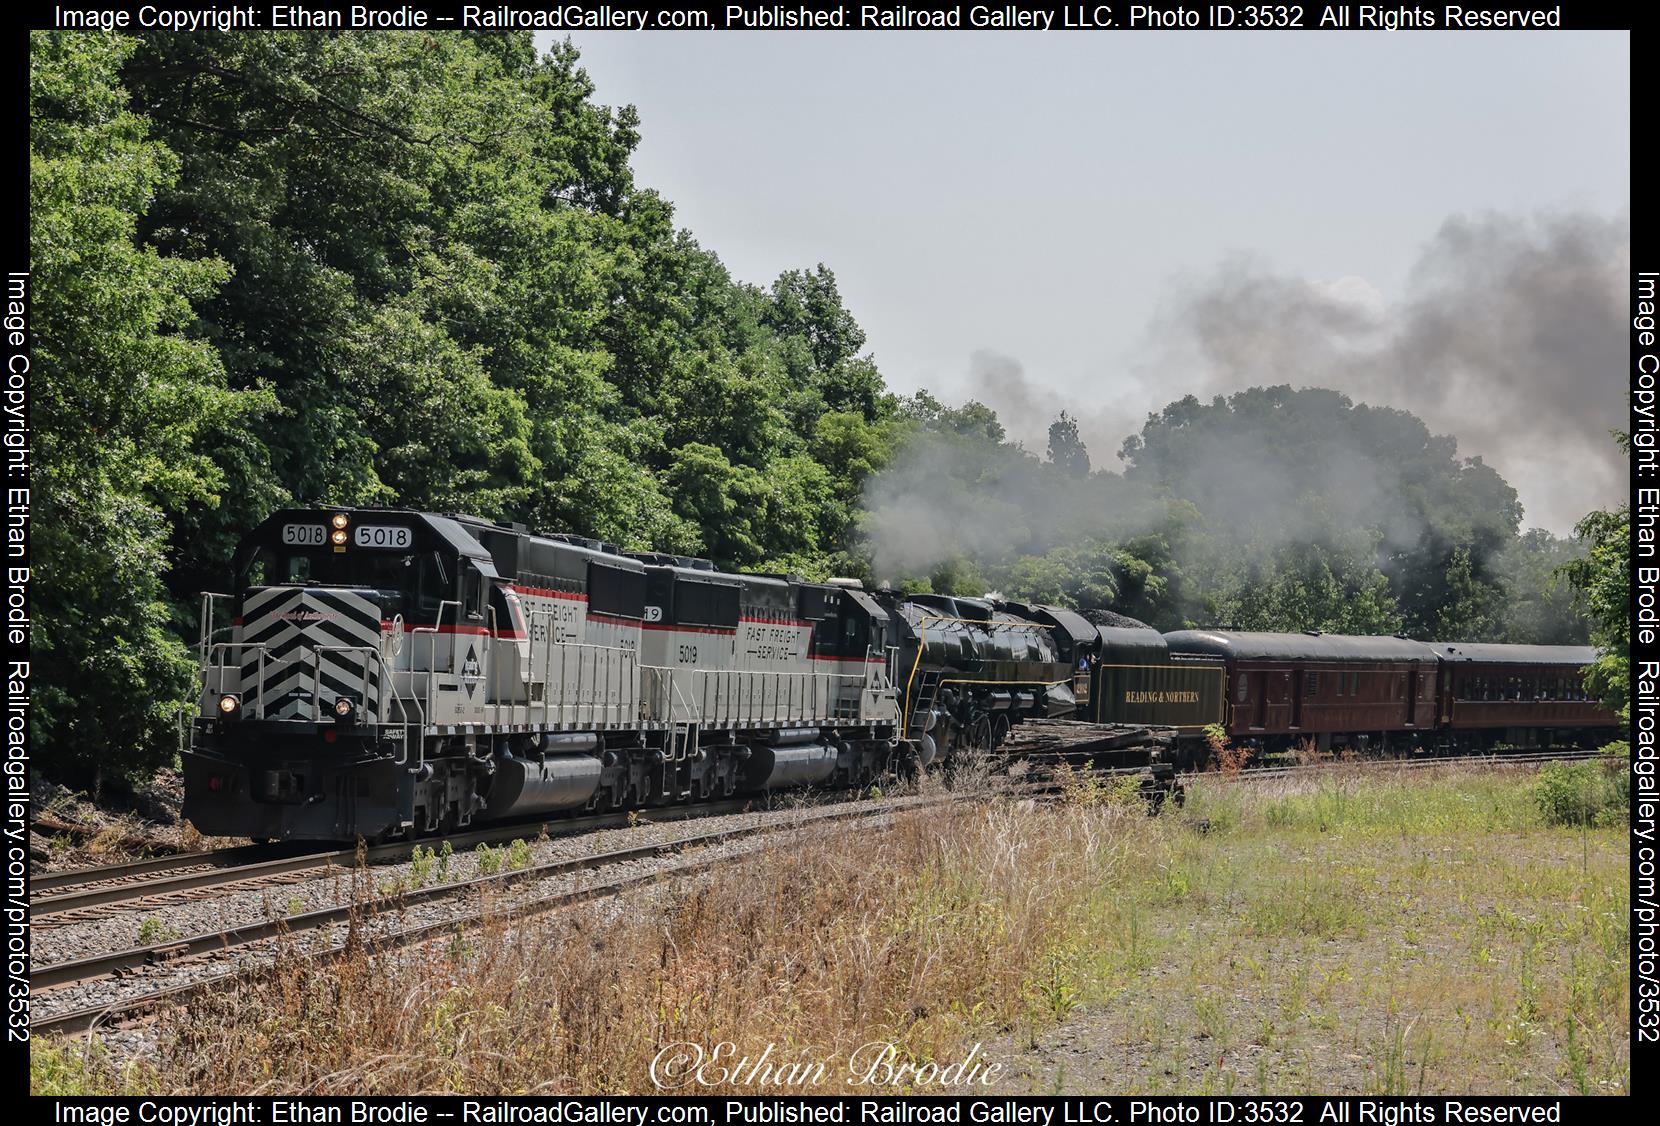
339,536
343,709
228,706
339,520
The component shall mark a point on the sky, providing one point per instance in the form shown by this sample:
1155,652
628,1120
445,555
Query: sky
1107,222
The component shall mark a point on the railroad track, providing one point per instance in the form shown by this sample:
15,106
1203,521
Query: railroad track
66,974
87,894
91,893
1507,758
47,979
149,867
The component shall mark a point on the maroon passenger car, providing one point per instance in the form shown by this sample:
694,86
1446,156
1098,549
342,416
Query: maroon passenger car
1519,695
1283,688
1389,692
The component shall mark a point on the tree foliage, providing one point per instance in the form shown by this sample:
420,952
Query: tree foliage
416,269
424,261
1067,451
1603,580
123,402
1270,509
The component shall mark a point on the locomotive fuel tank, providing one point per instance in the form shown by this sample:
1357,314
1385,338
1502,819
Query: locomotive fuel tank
782,767
559,777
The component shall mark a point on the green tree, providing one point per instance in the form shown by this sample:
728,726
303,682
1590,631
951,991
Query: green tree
460,297
820,342
1277,468
1540,603
426,261
124,395
1067,451
1603,580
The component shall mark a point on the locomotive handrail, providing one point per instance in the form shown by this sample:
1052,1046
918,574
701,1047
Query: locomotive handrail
205,625
692,723
389,684
432,670
719,696
317,652
260,648
204,642
487,672
621,666
414,702
386,685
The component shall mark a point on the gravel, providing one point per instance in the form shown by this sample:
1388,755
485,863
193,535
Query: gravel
233,908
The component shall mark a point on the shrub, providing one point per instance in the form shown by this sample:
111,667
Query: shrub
1591,793
1227,757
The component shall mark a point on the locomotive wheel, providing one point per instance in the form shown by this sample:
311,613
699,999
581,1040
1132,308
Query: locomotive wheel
999,731
979,735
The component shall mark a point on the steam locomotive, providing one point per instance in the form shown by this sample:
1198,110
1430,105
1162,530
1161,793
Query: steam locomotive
383,672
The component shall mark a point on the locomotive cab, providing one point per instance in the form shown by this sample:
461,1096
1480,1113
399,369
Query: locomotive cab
325,608
310,669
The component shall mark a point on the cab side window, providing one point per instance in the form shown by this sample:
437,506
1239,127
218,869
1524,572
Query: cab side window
472,593
502,618
430,587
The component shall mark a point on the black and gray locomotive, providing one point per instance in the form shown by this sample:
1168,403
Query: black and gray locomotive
381,672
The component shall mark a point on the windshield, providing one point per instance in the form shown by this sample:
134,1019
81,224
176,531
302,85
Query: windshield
419,576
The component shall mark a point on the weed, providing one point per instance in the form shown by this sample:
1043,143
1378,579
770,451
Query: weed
77,1068
1056,984
1311,909
1589,793
153,931
421,863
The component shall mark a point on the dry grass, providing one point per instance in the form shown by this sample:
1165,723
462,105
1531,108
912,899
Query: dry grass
1226,756
1344,933
71,830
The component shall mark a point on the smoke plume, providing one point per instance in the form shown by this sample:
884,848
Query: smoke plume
1509,337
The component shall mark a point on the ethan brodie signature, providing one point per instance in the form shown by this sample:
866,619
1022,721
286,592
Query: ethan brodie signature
878,1064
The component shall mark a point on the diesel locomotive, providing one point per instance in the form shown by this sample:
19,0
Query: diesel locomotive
380,672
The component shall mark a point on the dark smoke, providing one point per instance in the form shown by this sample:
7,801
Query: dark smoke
1510,338
945,498
1026,409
